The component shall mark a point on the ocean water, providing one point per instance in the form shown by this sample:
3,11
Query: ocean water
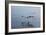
19,16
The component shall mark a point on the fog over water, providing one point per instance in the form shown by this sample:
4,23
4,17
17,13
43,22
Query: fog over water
19,14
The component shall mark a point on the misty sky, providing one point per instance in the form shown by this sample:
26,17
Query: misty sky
25,11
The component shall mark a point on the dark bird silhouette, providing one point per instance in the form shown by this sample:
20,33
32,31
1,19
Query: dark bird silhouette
29,17
30,25
22,16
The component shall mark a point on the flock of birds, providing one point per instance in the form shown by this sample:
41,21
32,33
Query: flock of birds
28,23
28,17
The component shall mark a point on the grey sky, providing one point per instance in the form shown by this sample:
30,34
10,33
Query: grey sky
25,11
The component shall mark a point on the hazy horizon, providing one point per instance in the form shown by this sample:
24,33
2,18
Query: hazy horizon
18,11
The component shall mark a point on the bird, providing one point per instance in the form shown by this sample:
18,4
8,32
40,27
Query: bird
29,17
